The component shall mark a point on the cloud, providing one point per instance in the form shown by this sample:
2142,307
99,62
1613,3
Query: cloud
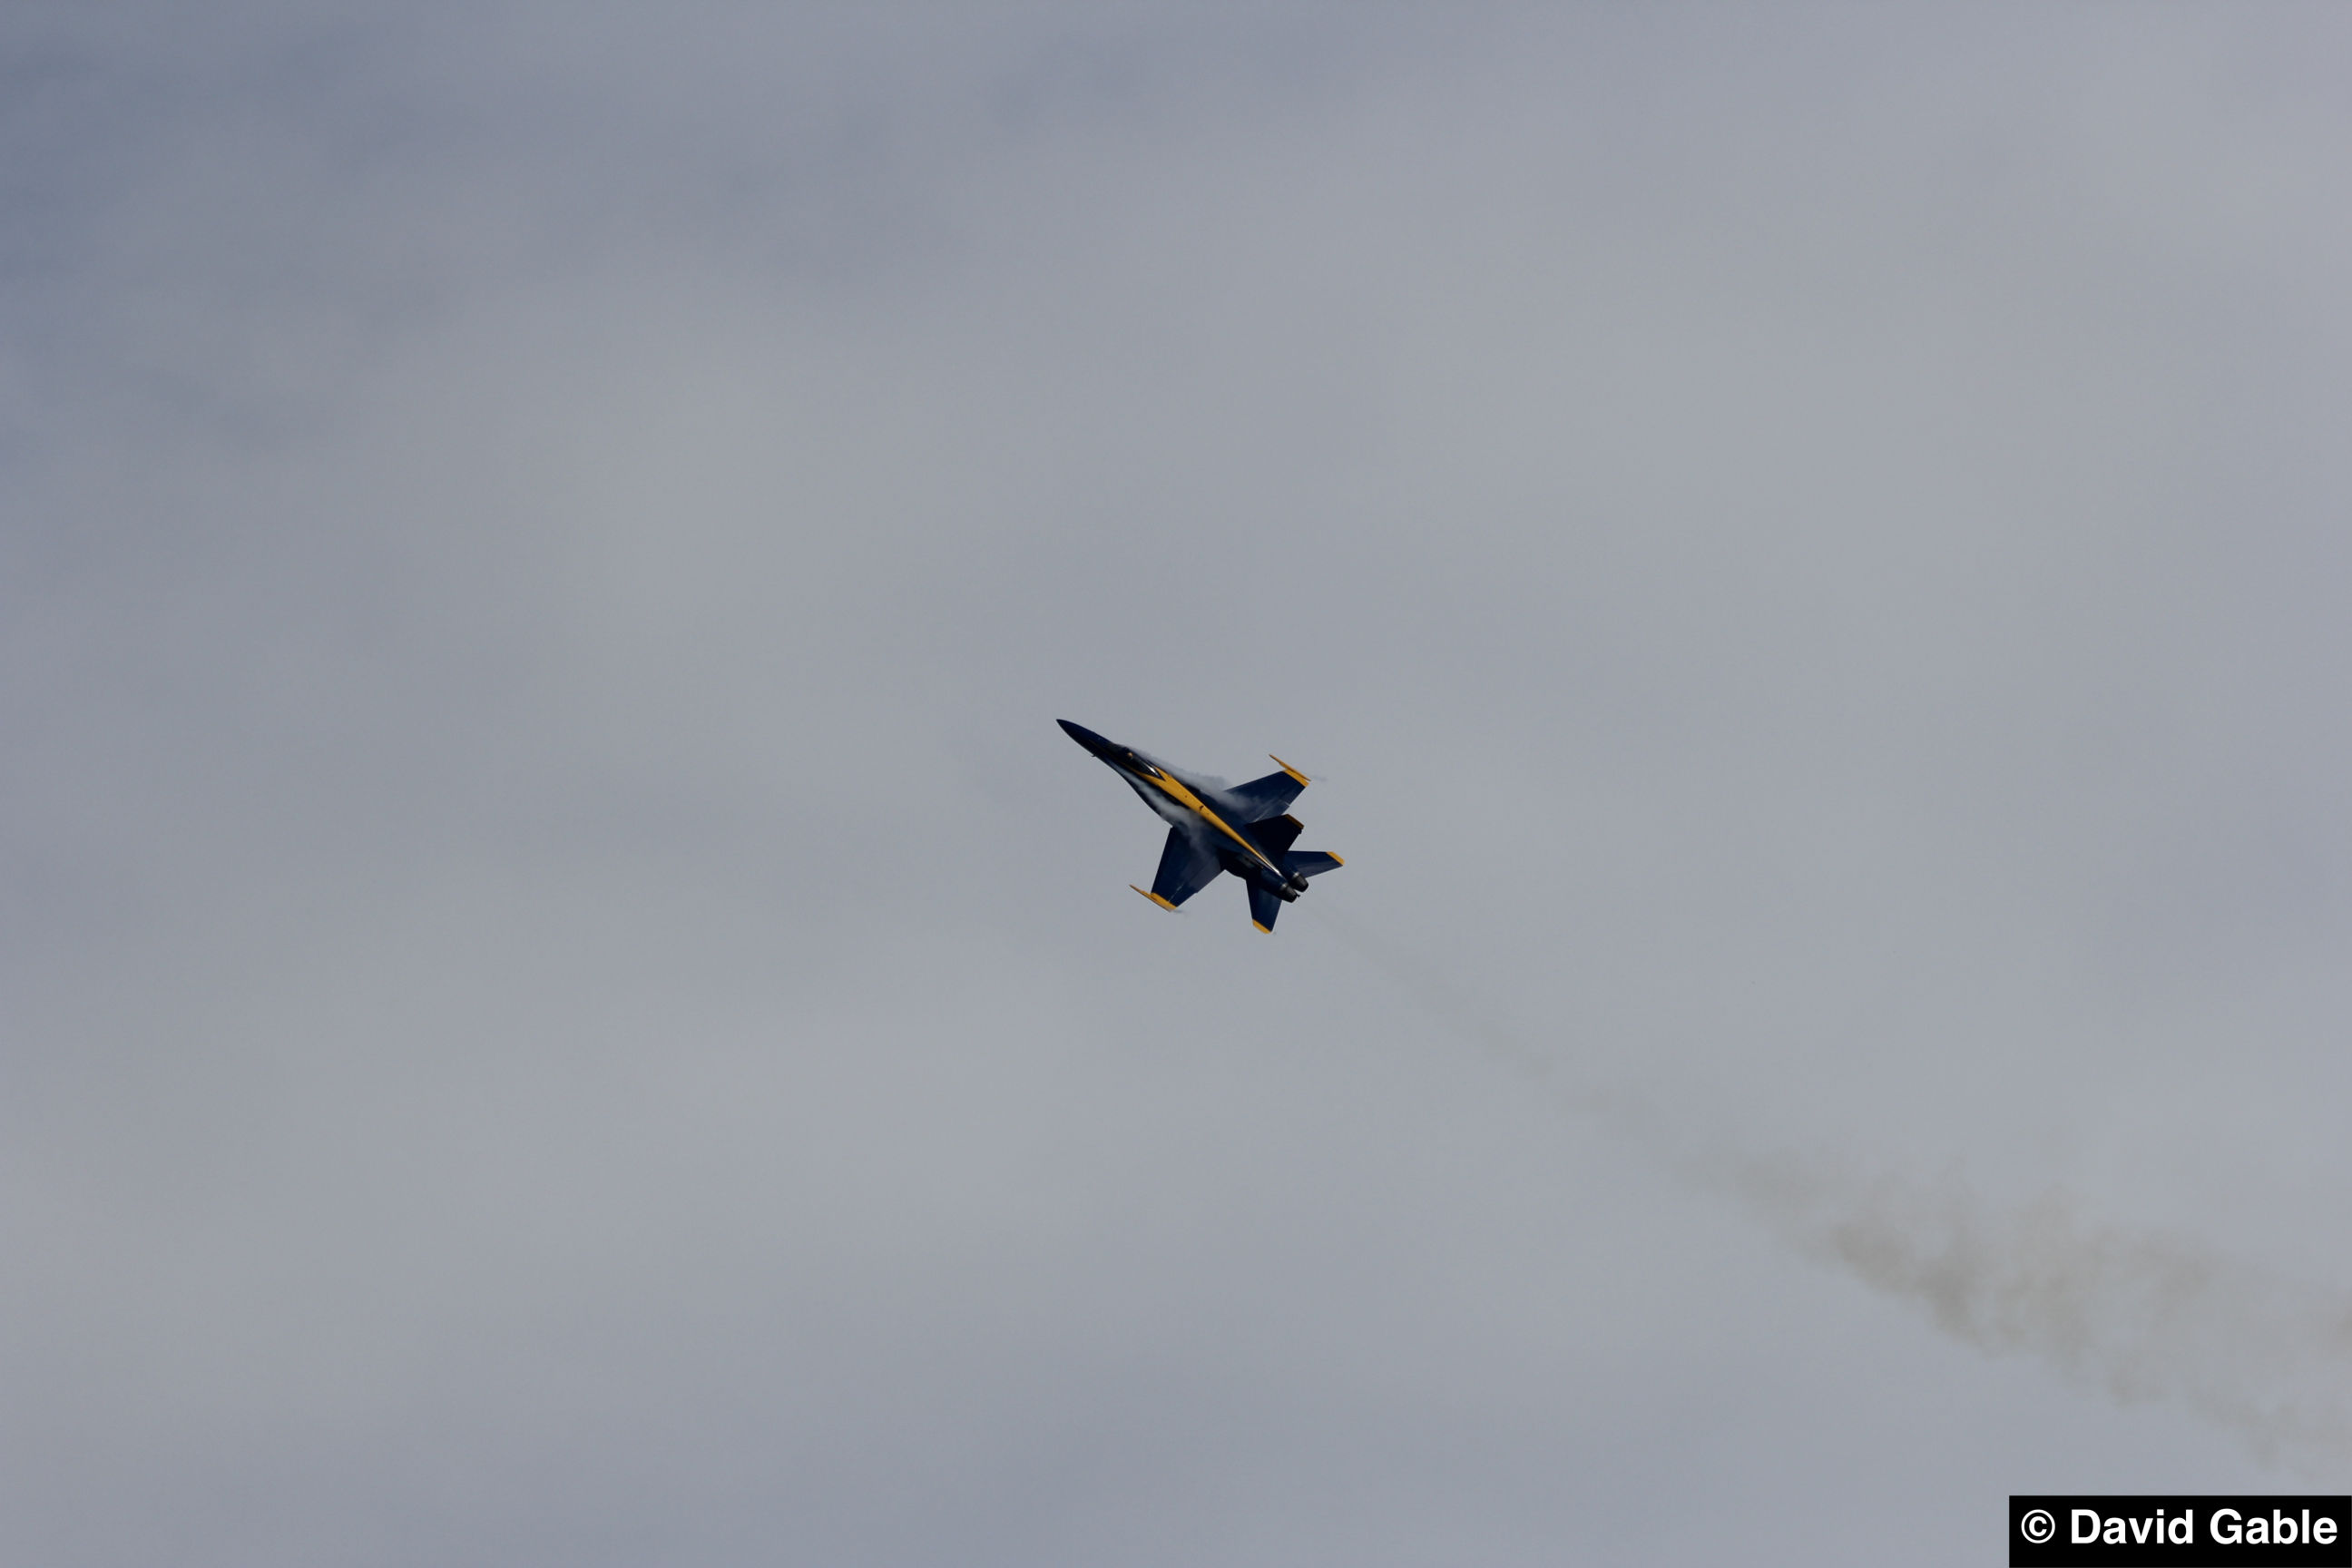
566,1000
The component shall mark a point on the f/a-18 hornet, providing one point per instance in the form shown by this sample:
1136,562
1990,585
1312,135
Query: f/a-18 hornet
1214,827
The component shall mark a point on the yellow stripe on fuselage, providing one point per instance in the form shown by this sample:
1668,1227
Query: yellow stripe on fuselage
1185,797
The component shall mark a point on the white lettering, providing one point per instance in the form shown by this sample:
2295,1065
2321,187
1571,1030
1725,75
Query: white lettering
2225,1534
2079,1532
2183,1530
2139,1530
2323,1531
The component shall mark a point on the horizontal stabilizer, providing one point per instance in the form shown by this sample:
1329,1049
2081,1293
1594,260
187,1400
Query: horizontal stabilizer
1310,862
1263,907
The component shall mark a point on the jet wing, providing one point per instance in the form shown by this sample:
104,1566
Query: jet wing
1268,796
1185,868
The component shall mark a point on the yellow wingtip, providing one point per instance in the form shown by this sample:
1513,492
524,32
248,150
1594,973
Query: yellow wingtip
1263,926
1334,859
1303,780
1154,898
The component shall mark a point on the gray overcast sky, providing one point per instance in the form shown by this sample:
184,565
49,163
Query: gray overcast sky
565,1002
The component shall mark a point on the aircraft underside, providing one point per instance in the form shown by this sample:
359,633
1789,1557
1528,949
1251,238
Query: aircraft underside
1244,830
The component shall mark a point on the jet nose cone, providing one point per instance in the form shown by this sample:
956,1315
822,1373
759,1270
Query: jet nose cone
1082,735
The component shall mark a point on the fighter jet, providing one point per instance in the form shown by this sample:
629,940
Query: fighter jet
1215,827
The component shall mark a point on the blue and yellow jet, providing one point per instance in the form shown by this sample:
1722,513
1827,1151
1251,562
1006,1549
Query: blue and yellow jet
1213,827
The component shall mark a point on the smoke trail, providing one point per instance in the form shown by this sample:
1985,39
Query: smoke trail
1428,988
2136,1317
1615,1107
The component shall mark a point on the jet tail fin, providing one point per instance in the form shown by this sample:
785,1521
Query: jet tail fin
1263,907
1275,835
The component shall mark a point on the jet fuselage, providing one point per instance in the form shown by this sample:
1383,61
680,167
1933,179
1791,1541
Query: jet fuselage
1216,828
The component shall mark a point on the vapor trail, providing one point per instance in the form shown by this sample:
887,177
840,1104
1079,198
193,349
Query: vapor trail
2135,1316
